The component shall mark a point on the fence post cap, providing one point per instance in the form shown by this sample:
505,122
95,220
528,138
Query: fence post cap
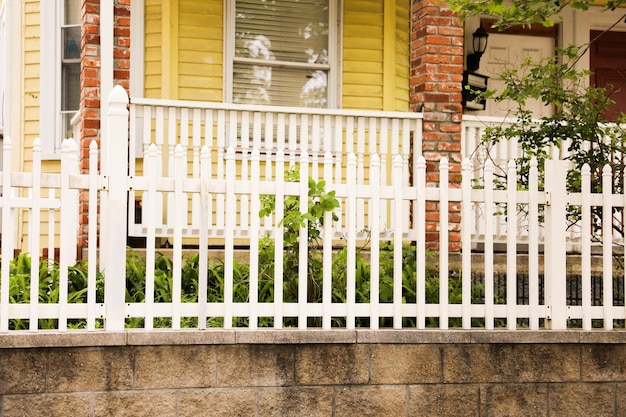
118,96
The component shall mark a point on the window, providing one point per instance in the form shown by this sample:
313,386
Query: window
282,52
60,70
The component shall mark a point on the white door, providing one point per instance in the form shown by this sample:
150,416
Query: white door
506,51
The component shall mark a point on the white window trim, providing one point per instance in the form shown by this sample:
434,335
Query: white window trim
137,34
50,120
50,79
3,65
334,36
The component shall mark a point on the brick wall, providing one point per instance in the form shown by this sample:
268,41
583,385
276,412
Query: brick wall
315,373
435,88
90,80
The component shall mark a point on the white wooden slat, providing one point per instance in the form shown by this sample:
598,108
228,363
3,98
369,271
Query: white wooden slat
150,219
511,247
34,242
303,242
533,245
489,235
69,220
203,239
420,247
254,243
92,231
397,242
443,242
607,247
315,147
375,242
466,241
231,213
279,240
179,223
327,251
351,213
586,246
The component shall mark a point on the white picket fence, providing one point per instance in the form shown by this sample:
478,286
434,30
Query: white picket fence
37,196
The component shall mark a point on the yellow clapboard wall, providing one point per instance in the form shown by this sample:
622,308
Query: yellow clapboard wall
184,52
184,49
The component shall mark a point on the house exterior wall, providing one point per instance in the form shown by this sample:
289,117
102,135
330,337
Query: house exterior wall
379,373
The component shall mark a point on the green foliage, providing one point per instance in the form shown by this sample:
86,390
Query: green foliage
578,126
48,283
523,12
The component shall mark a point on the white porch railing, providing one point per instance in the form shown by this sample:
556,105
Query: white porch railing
320,133
396,296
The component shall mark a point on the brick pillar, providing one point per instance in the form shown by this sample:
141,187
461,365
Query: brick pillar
90,93
435,88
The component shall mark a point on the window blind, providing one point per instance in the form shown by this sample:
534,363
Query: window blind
281,52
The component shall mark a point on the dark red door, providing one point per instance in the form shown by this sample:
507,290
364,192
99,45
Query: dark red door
608,63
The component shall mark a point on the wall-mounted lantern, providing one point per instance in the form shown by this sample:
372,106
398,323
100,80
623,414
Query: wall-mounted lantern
479,43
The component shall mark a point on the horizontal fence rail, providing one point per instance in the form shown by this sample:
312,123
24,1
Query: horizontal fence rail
302,248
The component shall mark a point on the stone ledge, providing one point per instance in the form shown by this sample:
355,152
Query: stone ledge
25,339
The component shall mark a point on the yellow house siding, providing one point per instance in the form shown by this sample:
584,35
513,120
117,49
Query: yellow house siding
363,28
201,27
152,46
186,62
402,60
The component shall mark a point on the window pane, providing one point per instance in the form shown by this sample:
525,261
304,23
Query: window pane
282,30
71,9
70,100
71,43
277,86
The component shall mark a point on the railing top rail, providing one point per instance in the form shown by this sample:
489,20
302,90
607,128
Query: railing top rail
489,120
274,109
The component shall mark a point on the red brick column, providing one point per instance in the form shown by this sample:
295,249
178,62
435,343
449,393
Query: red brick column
90,81
435,88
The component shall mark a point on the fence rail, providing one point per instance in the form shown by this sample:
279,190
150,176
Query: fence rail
343,277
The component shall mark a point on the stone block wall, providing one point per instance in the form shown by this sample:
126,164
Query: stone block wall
314,373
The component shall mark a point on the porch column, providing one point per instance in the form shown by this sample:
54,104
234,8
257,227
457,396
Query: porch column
435,87
105,62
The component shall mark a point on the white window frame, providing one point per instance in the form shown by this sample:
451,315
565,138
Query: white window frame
51,121
334,37
3,65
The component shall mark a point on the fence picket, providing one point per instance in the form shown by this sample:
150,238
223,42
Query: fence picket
34,243
279,240
303,242
466,241
397,242
351,242
533,245
489,228
443,243
511,245
150,214
203,238
92,236
229,247
420,247
8,243
607,246
254,243
327,254
586,245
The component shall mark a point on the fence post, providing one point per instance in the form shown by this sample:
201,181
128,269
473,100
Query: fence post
555,245
114,209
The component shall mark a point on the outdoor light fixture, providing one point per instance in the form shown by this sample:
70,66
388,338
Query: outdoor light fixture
480,45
